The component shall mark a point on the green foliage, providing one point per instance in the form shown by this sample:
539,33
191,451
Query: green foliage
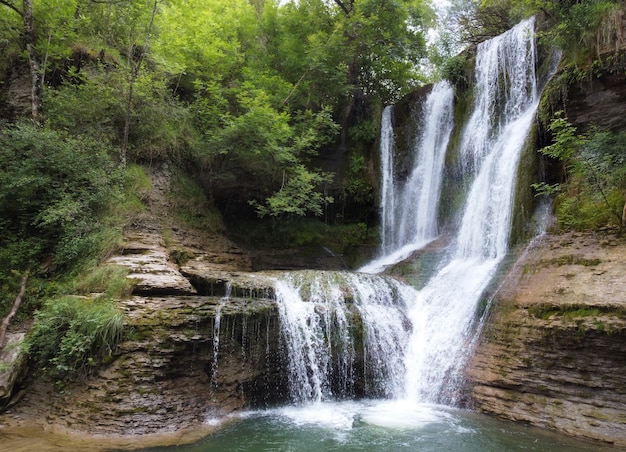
195,35
595,165
263,150
358,185
192,206
72,335
70,107
576,27
544,189
387,45
306,47
298,196
11,25
566,143
137,181
364,131
109,281
161,126
455,69
579,26
53,190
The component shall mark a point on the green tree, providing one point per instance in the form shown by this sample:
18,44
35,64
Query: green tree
260,151
53,190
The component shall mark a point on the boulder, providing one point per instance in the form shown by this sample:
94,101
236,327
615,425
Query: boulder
13,362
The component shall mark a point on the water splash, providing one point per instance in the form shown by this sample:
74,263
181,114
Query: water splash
345,334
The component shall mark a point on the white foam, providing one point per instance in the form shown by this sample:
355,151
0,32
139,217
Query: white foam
333,415
403,414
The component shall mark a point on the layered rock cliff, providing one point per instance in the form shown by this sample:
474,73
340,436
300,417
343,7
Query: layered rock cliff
553,352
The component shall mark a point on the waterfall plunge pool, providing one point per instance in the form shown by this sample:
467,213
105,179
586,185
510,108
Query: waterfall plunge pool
367,425
377,425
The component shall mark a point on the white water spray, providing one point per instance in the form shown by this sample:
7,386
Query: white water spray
492,141
409,208
340,328
331,320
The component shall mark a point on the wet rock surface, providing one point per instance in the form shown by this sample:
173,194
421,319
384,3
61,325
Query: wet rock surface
600,101
168,375
553,353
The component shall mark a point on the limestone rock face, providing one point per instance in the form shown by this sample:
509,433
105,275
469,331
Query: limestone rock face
600,101
13,365
178,368
553,354
153,274
202,338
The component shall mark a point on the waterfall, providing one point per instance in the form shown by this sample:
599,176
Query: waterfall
388,189
216,333
505,106
409,207
345,334
361,334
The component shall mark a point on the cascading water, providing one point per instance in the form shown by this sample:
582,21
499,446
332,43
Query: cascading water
216,332
388,189
344,334
409,208
504,109
361,334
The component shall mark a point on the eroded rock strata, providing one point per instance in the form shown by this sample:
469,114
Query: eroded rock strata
553,353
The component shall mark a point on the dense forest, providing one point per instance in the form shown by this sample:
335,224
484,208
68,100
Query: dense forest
266,111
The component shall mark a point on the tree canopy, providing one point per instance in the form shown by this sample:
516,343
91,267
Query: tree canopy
249,89
243,95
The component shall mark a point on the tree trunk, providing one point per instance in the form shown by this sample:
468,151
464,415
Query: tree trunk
16,304
135,66
345,7
36,94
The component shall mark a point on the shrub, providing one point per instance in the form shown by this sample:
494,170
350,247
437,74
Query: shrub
595,166
72,335
53,191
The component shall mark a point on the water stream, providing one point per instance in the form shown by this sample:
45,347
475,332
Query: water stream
491,145
374,364
410,207
419,340
216,333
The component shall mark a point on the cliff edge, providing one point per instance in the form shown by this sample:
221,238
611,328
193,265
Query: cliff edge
553,352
